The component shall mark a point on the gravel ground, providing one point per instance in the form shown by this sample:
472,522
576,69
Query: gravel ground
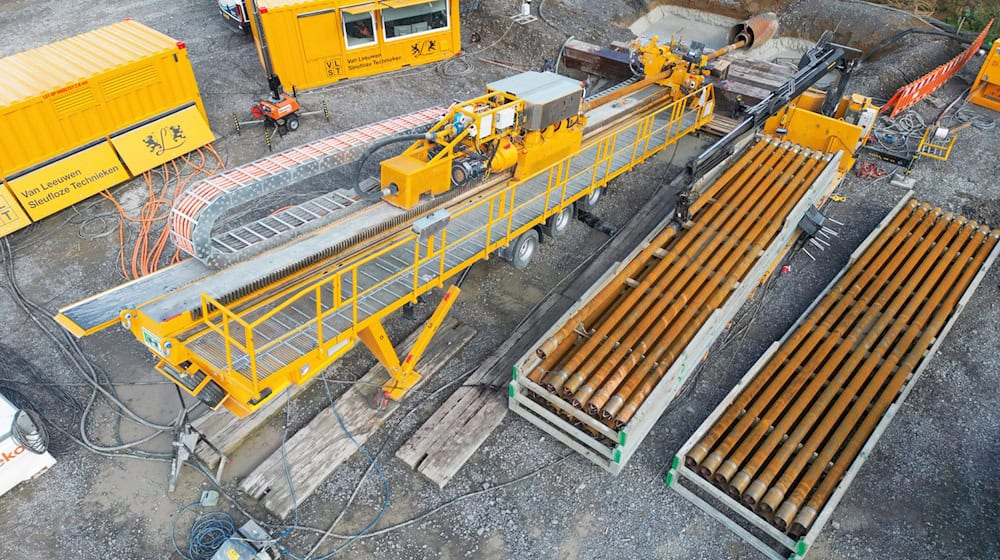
928,491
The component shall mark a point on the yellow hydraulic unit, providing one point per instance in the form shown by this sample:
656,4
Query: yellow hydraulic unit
846,129
255,313
985,90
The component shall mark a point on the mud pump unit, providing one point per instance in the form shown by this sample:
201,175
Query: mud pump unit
275,295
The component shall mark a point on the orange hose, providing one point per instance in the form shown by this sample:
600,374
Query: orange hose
150,244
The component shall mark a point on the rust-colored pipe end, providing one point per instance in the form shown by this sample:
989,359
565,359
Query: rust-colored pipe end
784,514
696,454
582,395
771,499
709,465
754,492
624,415
554,380
755,31
803,521
614,404
572,384
547,347
739,483
725,472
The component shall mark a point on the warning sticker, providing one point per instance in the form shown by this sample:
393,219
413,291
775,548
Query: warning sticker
162,140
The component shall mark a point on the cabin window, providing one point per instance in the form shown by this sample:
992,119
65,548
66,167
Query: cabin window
410,20
359,29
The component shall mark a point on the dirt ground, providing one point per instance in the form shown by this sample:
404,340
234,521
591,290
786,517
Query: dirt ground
928,491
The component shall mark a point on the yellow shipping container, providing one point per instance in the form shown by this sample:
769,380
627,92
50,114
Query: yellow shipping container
318,42
80,115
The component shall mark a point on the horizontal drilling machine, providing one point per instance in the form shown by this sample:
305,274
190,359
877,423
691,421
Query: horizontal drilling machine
274,295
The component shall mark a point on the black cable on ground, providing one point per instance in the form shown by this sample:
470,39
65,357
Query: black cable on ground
209,531
98,379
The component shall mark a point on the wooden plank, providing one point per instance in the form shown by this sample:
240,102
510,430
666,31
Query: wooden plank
227,431
746,91
595,60
446,441
443,444
720,125
439,426
316,450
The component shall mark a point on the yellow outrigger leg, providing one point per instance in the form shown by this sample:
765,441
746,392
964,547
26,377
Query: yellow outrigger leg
402,374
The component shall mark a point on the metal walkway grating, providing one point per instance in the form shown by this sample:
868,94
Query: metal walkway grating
388,279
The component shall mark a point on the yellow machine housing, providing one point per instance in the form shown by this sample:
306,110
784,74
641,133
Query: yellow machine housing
225,351
985,90
83,114
528,121
667,62
318,42
846,130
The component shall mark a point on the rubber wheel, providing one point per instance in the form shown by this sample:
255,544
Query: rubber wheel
523,249
292,123
558,224
588,202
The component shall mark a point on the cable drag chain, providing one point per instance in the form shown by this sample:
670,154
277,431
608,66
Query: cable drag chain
196,212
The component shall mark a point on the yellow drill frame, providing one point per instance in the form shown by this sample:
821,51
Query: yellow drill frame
244,368
403,375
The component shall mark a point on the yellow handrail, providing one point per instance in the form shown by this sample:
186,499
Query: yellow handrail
502,206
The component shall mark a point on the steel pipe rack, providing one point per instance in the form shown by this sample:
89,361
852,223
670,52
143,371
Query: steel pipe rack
776,456
601,377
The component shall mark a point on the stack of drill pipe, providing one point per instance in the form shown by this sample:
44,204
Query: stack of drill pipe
783,445
613,352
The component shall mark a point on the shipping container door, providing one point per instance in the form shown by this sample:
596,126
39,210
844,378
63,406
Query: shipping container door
320,33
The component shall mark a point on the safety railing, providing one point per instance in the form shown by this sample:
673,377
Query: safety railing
509,210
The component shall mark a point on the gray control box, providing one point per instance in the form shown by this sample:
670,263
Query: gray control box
548,97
